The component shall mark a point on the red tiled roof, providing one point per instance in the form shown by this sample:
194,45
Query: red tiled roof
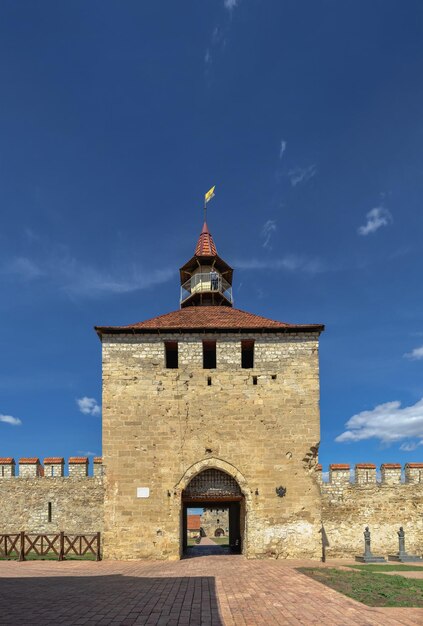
339,466
415,465
210,317
98,459
7,460
193,522
391,465
205,244
319,467
29,461
78,459
365,466
54,459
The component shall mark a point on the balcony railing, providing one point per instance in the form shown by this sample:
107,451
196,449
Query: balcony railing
206,283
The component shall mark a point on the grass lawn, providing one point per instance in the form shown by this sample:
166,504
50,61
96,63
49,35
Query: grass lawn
369,587
221,541
374,567
191,542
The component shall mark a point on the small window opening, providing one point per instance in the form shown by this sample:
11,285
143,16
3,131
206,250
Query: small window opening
209,381
209,355
247,354
367,476
2,470
52,470
171,349
254,380
49,511
274,376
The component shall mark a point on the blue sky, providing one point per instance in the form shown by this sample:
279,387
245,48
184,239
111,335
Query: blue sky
116,117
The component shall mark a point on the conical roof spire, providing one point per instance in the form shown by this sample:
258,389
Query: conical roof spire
205,244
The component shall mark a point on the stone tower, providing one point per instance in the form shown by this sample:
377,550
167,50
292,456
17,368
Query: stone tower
210,406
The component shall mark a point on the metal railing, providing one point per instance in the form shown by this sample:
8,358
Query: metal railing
209,282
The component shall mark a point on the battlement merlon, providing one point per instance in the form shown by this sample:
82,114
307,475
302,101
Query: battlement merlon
365,474
53,467
7,467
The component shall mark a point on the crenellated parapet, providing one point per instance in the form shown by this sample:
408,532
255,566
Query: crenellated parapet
53,467
341,477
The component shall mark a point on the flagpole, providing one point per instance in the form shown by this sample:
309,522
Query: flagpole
205,210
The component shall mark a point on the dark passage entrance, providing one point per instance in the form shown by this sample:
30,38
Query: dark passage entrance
212,501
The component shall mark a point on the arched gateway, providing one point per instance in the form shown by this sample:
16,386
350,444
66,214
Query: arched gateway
212,488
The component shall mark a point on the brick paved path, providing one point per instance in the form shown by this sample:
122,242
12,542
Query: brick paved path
207,547
209,591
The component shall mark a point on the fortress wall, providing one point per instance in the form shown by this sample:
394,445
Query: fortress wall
349,504
76,505
76,501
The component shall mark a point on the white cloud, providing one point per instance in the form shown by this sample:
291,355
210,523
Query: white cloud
282,148
302,174
289,263
84,280
88,406
8,419
79,279
410,446
21,267
376,218
87,453
415,355
231,4
387,422
208,57
267,231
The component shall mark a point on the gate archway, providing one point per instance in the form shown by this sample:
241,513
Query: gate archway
213,487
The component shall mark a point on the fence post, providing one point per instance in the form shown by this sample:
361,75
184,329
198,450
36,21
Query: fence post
62,546
22,549
98,548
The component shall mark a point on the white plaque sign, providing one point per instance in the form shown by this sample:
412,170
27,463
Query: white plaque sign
143,492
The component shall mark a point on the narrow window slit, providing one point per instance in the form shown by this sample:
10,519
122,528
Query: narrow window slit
247,354
171,351
274,376
209,355
209,381
254,380
49,511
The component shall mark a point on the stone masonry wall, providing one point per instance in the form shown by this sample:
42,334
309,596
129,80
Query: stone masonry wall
212,519
159,423
348,507
76,504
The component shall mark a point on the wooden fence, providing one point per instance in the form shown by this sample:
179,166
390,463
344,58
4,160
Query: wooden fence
20,545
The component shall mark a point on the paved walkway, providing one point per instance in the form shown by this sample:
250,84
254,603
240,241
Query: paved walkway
209,591
206,547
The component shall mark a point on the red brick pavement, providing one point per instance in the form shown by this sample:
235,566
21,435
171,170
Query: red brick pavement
203,591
